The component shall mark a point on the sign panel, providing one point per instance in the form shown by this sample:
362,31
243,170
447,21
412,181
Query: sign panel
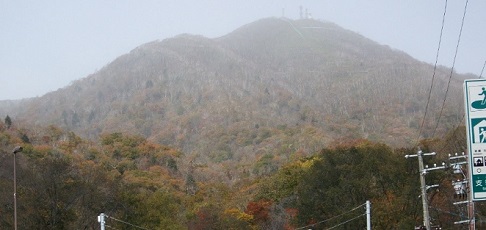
475,103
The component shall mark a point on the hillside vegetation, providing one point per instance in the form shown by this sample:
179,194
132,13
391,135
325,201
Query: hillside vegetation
262,128
65,181
273,87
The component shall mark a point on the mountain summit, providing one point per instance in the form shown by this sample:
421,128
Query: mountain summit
273,87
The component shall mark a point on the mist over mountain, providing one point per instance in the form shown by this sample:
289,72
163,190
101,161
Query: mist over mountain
274,87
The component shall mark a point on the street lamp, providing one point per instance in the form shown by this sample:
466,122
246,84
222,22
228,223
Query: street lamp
16,150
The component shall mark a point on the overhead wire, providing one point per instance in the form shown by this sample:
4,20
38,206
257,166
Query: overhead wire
108,226
464,115
455,214
124,222
482,70
433,75
452,68
334,217
448,212
345,222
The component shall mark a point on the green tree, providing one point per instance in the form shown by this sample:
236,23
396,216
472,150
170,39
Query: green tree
158,209
346,176
24,138
56,191
339,179
8,121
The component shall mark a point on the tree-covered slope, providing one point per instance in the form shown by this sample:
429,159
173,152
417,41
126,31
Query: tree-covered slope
65,181
274,88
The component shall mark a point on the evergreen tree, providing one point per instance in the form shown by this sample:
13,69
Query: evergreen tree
8,122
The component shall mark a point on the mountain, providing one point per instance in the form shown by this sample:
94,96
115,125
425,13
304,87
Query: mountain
266,92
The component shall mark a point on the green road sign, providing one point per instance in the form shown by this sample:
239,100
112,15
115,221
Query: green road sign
475,104
479,186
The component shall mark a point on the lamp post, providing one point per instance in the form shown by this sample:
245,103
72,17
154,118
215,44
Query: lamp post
16,150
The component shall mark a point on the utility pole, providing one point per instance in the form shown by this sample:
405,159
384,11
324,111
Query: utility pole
101,220
423,171
368,215
462,186
16,150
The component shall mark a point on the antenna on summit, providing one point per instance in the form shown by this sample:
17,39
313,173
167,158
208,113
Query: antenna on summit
307,14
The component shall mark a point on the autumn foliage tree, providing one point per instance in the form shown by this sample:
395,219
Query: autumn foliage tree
65,181
342,178
260,212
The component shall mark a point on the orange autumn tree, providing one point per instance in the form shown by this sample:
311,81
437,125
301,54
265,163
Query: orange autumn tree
260,210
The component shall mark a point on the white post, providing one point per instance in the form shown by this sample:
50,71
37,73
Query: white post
101,220
368,215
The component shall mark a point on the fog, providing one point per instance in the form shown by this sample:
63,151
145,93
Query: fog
45,45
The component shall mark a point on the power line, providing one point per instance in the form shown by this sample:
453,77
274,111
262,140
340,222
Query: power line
463,116
335,226
455,214
320,222
481,74
108,226
121,221
433,75
447,212
452,69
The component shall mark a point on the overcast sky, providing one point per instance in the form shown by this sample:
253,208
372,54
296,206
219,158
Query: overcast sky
45,45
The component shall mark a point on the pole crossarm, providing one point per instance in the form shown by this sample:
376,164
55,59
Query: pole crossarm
462,186
431,186
420,154
423,187
427,169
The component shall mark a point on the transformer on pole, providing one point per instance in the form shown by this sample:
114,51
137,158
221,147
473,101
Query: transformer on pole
423,171
461,187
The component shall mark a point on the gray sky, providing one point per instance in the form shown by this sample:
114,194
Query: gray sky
45,45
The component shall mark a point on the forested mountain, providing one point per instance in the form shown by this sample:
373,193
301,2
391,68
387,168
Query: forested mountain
273,88
263,128
65,181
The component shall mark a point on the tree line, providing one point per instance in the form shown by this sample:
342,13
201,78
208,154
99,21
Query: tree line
64,182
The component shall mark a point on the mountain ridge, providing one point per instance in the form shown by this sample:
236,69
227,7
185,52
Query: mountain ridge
268,85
